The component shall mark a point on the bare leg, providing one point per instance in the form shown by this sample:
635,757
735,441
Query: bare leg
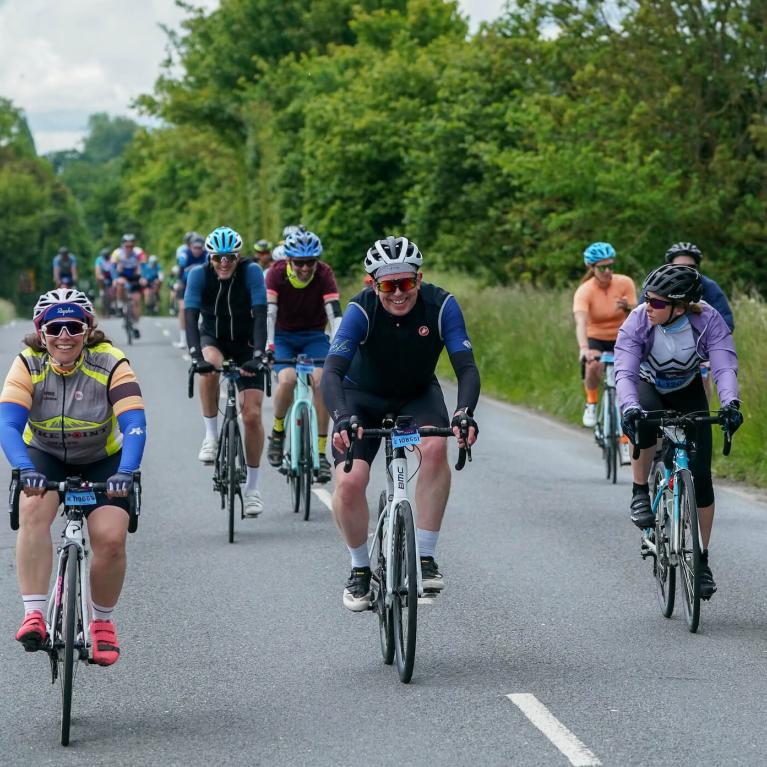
34,553
433,487
108,529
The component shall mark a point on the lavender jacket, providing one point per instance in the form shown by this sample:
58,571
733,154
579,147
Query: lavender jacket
713,341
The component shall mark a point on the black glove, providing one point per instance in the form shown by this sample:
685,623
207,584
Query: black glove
253,366
119,484
345,424
33,479
629,420
203,366
733,418
464,415
270,356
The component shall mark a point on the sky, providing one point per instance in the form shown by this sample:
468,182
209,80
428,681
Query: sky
63,60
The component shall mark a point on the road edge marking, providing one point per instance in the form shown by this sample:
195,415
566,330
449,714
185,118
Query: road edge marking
324,496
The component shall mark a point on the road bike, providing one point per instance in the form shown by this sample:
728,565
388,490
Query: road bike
68,613
229,469
395,562
674,542
301,457
607,429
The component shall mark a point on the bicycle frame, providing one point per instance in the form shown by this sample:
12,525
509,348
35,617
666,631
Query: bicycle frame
303,394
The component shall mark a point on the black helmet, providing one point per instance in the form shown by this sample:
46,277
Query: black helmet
674,281
684,249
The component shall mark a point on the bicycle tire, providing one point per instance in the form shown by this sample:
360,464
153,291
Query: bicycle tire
69,624
128,325
294,476
232,474
306,464
689,563
611,438
663,570
405,597
385,618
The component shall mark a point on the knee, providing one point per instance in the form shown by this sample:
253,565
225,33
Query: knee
251,418
349,489
109,545
37,512
287,377
434,452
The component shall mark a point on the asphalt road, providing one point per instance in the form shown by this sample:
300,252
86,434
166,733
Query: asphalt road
243,654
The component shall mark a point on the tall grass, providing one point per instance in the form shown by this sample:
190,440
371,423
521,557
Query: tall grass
7,312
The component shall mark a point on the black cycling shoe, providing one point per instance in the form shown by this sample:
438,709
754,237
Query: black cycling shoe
432,578
274,452
641,508
357,594
707,584
325,473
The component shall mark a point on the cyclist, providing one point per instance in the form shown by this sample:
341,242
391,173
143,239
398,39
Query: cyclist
229,294
600,305
151,271
657,367
64,269
303,297
263,251
71,406
186,259
127,260
382,361
104,269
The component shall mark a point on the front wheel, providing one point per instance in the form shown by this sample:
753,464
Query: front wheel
689,559
306,464
70,603
611,437
232,474
405,597
385,618
665,573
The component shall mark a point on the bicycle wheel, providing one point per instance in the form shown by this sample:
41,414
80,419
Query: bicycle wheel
232,473
611,438
294,455
689,560
128,325
306,465
405,597
385,621
664,571
70,606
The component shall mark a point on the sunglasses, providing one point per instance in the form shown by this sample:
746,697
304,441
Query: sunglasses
603,267
308,262
404,284
228,257
73,328
658,303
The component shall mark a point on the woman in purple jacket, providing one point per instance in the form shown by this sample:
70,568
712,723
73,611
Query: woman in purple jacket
657,367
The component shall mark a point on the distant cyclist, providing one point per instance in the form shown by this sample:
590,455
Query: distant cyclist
64,269
187,257
104,272
228,294
383,361
303,299
151,271
600,306
263,253
129,284
657,367
71,406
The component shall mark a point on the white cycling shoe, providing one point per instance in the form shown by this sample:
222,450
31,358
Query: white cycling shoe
589,415
208,450
253,504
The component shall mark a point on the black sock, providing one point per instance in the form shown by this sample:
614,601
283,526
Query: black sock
640,488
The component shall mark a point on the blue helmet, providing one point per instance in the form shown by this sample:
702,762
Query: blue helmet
303,245
223,241
598,251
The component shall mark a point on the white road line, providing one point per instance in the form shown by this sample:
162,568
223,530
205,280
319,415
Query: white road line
554,730
165,331
324,496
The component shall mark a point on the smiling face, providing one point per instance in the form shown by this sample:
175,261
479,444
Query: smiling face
603,271
225,265
398,302
63,348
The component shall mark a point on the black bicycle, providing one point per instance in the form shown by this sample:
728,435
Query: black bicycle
69,605
395,561
229,470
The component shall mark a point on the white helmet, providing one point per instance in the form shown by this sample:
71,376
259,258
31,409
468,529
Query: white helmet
392,255
278,254
69,303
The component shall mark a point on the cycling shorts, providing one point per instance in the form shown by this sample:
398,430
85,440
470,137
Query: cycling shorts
97,471
602,346
288,344
428,409
240,352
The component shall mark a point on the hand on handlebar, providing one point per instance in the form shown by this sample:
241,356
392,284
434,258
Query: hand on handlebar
203,367
119,485
342,436
253,367
465,428
732,418
630,421
33,482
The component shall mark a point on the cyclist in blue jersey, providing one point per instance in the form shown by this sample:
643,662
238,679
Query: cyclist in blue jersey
187,257
151,271
228,294
127,260
64,269
104,271
382,360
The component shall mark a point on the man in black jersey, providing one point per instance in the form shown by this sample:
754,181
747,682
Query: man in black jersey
382,360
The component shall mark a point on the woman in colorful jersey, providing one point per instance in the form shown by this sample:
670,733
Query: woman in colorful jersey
71,406
600,306
657,367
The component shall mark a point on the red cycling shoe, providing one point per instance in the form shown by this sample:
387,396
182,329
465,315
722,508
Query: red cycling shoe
33,633
106,649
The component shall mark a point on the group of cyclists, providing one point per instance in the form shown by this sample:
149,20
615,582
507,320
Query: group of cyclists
664,347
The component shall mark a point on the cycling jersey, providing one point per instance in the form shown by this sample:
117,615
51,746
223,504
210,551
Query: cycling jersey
673,361
128,264
604,315
106,269
301,308
186,260
64,264
151,273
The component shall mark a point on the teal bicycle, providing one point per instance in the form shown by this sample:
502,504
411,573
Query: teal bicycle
301,457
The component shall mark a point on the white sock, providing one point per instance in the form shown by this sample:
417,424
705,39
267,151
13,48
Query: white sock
427,542
211,427
102,613
251,481
360,556
34,602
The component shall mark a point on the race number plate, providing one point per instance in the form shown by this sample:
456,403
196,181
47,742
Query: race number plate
80,498
305,369
404,437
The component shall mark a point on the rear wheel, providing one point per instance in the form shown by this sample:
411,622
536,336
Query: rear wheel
665,573
689,561
385,619
306,464
405,597
70,607
232,474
